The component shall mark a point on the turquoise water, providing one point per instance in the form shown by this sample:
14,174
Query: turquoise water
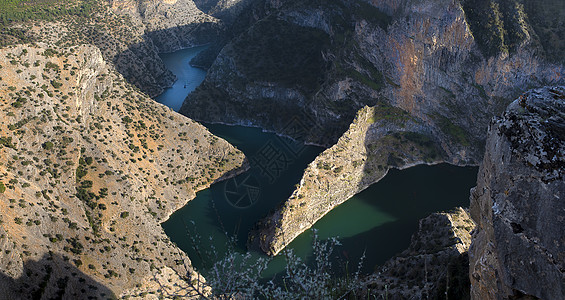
188,77
378,222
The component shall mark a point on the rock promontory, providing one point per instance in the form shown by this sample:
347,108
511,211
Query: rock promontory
89,168
518,248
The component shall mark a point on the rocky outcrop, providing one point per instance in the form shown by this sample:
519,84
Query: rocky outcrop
170,24
420,70
435,265
518,249
380,137
89,168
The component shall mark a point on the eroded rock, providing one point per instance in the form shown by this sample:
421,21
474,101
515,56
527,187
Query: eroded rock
518,249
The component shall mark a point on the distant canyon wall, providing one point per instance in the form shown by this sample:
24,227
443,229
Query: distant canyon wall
426,88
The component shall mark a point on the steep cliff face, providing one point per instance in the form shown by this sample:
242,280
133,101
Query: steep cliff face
518,249
129,33
170,24
323,62
436,264
89,167
226,10
430,88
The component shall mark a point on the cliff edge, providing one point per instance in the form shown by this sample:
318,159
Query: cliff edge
89,168
518,248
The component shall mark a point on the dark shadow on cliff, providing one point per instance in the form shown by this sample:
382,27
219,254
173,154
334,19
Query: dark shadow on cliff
141,65
52,277
277,70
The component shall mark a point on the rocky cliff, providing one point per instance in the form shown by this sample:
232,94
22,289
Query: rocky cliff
306,70
380,137
89,168
170,24
129,33
518,248
322,62
435,265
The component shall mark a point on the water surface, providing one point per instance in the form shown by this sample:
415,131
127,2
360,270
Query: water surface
188,77
378,221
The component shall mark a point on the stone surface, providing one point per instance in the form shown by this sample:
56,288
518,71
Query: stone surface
436,94
91,167
518,249
435,265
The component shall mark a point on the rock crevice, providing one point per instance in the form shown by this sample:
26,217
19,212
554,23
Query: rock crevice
518,248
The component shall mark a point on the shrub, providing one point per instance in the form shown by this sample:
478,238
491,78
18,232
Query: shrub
47,145
236,275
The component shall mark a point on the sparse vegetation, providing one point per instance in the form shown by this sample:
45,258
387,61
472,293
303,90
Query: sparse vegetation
282,52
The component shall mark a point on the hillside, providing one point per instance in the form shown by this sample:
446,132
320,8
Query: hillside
427,71
89,167
130,34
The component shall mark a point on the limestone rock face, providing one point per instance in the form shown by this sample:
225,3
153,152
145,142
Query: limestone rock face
325,61
171,25
518,248
413,75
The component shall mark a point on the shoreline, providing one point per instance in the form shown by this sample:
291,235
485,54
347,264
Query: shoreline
296,234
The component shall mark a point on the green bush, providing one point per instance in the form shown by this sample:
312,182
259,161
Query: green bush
7,142
47,145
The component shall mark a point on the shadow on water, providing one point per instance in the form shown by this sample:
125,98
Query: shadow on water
52,277
232,207
141,65
379,220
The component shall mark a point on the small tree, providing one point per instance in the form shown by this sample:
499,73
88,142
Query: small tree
47,145
236,276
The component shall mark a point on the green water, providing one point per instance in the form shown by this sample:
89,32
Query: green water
379,221
232,207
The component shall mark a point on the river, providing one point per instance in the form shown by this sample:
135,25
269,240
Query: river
378,221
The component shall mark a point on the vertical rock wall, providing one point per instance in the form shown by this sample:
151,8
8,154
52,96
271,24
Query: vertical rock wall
518,249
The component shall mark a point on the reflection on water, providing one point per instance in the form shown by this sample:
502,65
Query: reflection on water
379,221
188,77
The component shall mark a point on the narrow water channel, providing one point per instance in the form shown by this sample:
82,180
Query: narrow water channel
379,221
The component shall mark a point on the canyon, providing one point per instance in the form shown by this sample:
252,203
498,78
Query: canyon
91,165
